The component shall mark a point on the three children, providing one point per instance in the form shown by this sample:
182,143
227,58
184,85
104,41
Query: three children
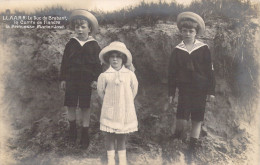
190,70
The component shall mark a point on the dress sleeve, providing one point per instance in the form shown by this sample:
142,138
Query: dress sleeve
101,86
64,63
172,69
134,84
210,73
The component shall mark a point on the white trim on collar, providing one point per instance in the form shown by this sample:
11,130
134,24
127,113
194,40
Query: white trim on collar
82,43
112,70
197,45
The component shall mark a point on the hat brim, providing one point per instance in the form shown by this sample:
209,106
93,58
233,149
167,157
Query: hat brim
90,17
195,17
110,48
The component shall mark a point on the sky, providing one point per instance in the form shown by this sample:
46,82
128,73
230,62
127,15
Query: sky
104,5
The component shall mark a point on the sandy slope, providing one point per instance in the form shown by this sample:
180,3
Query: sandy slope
37,121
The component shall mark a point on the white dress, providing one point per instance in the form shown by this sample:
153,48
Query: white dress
118,90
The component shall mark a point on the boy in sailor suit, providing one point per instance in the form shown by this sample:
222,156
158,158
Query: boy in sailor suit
191,71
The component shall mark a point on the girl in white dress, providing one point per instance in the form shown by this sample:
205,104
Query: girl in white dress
117,88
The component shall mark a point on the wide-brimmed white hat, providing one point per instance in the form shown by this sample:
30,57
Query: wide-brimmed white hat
193,16
116,46
90,17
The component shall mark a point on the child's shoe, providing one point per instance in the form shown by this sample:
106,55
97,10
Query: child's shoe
84,138
180,135
73,131
193,147
176,135
122,157
111,157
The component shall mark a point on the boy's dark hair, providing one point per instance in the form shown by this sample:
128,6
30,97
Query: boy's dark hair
122,55
189,23
79,20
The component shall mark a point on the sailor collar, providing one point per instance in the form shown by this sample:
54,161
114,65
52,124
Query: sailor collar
82,43
112,70
197,44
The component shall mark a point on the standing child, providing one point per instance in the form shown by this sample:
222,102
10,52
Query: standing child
191,71
117,88
80,68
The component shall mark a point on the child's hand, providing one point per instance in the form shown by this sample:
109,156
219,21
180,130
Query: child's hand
94,85
63,85
210,98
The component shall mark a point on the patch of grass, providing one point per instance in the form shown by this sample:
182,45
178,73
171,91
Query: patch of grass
149,13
